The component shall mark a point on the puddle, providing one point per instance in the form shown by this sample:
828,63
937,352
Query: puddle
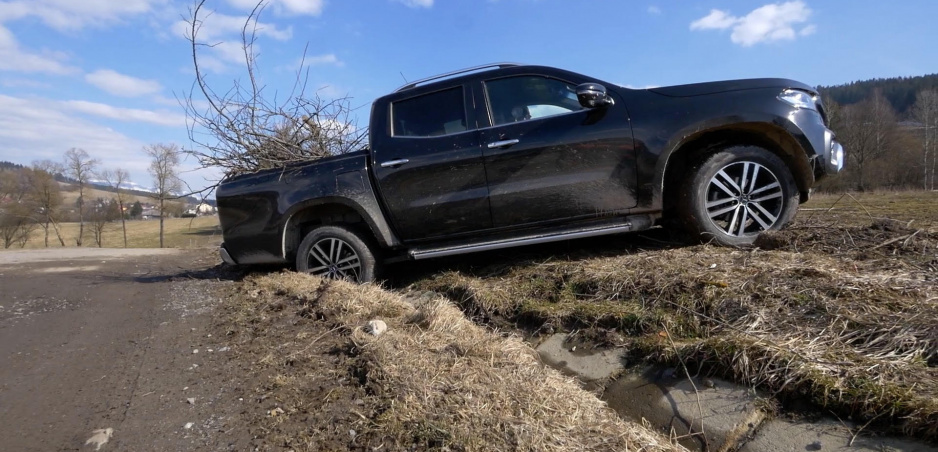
704,414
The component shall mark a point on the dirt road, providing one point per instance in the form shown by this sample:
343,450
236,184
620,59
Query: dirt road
111,350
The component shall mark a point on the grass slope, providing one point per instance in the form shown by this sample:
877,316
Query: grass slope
841,308
434,380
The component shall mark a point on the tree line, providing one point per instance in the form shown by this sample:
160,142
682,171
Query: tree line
31,197
886,149
901,92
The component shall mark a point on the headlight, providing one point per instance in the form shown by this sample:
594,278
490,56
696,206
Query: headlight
798,99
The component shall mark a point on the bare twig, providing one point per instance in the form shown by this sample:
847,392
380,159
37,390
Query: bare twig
703,434
906,237
245,129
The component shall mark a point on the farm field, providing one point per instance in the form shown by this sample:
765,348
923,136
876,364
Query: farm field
196,232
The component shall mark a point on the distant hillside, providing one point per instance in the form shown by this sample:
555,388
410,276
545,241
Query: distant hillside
140,194
900,91
93,191
5,165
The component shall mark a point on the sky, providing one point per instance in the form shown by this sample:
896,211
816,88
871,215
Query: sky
107,75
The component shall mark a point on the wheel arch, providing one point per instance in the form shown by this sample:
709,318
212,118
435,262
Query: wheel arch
327,211
693,148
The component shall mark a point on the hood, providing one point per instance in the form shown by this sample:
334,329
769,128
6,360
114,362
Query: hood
701,89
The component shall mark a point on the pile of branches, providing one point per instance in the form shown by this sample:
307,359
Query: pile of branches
245,128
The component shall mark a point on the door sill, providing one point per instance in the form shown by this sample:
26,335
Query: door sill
617,226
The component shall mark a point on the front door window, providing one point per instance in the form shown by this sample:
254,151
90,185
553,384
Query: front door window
527,97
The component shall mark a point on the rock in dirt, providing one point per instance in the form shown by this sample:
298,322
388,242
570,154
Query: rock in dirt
100,437
376,327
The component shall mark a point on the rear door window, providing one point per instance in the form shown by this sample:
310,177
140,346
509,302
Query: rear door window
430,115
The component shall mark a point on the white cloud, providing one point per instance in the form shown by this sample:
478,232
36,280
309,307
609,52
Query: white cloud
35,129
216,26
417,3
38,128
15,59
772,22
308,7
285,7
221,34
322,60
716,20
66,15
126,114
23,83
122,85
654,10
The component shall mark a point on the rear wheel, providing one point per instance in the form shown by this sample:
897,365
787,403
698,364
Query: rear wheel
737,193
335,252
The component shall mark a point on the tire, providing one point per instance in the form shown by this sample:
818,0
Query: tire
335,252
737,193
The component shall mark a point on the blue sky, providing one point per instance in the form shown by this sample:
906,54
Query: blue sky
103,75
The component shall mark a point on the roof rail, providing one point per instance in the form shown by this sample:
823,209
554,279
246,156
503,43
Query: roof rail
450,74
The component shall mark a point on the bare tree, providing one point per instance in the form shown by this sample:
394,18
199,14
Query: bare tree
925,112
80,166
116,179
101,213
868,131
164,169
17,218
47,195
243,128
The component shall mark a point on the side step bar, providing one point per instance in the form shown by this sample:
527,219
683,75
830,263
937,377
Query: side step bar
625,225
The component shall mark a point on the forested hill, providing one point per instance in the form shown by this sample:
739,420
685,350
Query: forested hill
5,165
900,91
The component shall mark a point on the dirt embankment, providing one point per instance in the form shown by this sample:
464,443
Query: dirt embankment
841,309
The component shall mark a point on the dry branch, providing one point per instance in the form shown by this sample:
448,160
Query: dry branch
244,128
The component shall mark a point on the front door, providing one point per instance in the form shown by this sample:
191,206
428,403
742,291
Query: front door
430,171
547,158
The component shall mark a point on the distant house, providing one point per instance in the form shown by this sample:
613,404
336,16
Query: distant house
205,209
149,213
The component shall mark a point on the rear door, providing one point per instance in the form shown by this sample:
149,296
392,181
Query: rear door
430,170
549,159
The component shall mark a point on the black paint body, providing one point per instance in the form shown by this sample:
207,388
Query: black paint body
571,168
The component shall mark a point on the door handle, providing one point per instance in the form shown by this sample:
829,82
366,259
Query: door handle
502,143
393,163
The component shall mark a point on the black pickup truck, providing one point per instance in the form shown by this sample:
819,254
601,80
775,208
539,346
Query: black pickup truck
506,155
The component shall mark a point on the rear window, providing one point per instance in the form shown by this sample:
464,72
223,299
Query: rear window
430,115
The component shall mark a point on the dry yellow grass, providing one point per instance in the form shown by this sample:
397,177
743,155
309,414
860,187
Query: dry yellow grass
449,384
840,309
196,232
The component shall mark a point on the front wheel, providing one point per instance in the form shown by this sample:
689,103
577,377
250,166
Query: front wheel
335,252
737,193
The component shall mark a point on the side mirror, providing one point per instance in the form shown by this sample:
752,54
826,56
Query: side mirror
593,95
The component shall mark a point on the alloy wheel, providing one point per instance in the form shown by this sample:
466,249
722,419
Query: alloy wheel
744,198
334,258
